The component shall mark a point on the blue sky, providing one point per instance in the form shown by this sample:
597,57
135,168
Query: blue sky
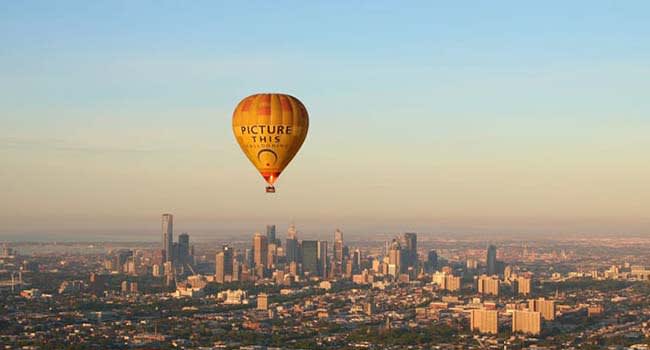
432,116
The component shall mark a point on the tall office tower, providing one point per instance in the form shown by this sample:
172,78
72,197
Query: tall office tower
356,261
529,322
228,256
432,260
338,251
322,259
291,232
236,270
270,234
310,257
248,257
488,285
260,249
411,248
272,255
484,321
168,236
291,250
395,257
545,307
220,267
491,260
175,253
348,268
184,248
524,285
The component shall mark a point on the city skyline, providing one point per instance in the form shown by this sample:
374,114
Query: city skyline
377,294
490,118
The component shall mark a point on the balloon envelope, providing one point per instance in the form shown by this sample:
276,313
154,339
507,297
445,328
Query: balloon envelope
270,129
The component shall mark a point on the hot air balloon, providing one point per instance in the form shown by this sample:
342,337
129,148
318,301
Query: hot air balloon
270,128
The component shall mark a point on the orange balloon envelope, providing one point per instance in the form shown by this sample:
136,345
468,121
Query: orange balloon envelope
270,129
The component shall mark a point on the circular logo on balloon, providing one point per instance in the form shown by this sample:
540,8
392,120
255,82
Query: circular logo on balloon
267,157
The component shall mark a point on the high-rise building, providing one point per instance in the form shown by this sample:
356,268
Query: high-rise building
168,236
291,232
310,257
492,260
411,249
228,256
291,250
272,255
248,257
488,285
484,321
524,285
183,248
322,258
260,249
395,256
356,261
545,307
338,252
236,271
219,267
270,234
529,322
432,260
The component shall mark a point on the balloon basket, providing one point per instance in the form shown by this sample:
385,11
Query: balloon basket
270,189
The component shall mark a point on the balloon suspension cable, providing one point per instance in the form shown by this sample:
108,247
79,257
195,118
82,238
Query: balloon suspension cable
270,189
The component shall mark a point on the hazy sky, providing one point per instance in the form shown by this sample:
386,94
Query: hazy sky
485,116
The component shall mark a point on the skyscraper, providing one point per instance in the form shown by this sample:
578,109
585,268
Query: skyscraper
395,258
491,260
322,259
338,251
168,236
432,260
356,261
270,234
310,257
291,232
227,260
291,250
272,254
219,267
260,249
183,248
411,249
